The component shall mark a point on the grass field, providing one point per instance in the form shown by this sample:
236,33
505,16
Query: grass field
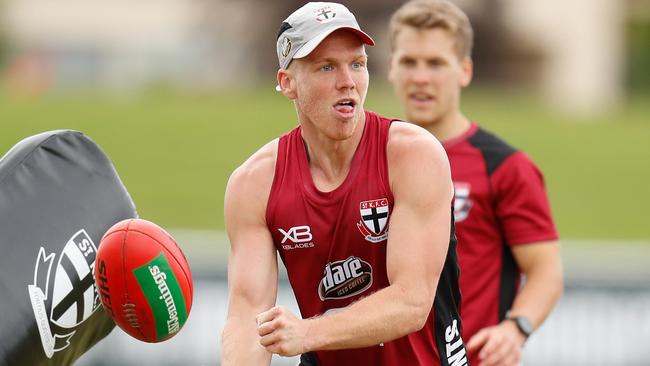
175,151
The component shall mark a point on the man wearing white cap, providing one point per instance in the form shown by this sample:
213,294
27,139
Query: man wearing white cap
359,209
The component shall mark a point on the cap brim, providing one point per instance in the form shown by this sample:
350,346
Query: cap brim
308,47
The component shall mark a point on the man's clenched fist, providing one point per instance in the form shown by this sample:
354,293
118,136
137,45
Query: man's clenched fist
282,332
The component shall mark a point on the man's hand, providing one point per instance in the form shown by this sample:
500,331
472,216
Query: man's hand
282,332
499,345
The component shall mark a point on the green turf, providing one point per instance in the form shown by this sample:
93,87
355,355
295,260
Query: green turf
175,151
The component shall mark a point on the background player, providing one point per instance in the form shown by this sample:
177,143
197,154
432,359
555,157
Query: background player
359,210
503,220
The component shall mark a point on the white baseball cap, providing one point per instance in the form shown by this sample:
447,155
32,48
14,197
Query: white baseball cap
308,26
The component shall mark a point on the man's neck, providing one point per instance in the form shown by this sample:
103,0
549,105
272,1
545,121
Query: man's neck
330,160
450,127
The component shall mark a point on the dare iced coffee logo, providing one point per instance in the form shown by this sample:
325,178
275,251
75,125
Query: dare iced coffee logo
345,278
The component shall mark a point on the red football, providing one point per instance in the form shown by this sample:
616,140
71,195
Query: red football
143,280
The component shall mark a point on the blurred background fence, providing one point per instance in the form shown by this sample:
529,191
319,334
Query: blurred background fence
179,92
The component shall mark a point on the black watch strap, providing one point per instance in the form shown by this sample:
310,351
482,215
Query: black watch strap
523,324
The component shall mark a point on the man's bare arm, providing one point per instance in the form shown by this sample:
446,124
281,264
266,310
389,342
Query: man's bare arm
252,265
542,266
540,262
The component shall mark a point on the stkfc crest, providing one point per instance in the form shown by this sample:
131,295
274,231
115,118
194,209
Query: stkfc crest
374,220
64,296
324,14
462,200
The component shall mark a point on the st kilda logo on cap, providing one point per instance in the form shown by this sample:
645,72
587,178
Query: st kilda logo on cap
345,278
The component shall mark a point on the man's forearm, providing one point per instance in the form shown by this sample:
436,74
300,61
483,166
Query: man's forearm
240,344
539,295
381,317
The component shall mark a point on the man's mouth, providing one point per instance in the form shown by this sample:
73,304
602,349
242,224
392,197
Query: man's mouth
345,106
421,97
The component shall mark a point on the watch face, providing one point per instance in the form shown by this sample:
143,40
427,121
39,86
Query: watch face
524,325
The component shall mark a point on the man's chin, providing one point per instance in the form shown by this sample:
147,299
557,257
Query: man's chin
421,119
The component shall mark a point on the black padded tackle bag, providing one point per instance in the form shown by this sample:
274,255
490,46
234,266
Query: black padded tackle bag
59,194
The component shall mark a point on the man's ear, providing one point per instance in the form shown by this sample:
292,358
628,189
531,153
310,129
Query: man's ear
287,84
467,66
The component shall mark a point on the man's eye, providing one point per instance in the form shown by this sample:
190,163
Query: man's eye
407,62
326,68
358,65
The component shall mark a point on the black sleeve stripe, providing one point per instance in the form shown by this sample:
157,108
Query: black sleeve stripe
447,304
508,287
494,149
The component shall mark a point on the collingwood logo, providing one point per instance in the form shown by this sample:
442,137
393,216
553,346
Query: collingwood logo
159,278
65,298
345,278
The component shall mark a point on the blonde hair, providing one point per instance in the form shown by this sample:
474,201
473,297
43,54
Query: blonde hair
430,14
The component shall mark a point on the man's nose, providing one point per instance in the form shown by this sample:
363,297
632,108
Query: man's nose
421,74
344,79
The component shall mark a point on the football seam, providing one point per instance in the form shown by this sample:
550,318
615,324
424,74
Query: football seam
124,272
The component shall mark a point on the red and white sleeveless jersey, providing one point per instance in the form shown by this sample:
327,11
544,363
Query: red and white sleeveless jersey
333,245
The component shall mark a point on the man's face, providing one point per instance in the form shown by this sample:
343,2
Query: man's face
331,84
427,74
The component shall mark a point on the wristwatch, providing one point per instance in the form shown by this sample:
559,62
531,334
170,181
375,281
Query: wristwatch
523,324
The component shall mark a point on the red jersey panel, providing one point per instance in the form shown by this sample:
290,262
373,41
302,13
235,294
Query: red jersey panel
500,201
333,245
